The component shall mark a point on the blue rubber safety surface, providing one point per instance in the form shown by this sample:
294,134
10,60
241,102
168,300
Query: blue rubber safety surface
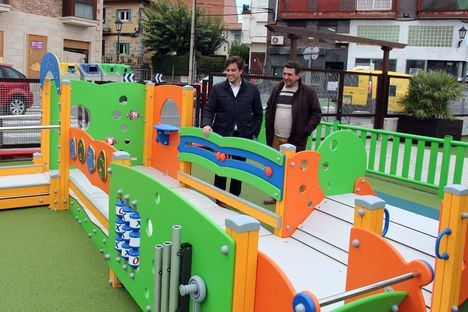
410,206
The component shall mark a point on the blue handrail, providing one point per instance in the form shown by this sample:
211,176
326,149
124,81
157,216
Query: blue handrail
445,255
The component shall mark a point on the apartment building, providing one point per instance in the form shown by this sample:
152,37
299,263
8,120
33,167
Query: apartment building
126,44
72,29
430,28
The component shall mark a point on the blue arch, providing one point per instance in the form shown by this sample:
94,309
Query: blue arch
50,63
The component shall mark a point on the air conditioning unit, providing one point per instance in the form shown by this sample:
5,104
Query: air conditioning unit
277,40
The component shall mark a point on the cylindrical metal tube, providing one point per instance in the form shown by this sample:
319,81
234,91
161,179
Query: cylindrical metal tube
6,117
175,263
359,291
29,128
166,262
158,251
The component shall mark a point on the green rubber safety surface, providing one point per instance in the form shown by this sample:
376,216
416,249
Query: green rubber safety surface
382,302
343,160
109,106
160,208
49,264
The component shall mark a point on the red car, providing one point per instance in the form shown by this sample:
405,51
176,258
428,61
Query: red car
15,97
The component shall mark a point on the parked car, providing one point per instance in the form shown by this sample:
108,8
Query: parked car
15,97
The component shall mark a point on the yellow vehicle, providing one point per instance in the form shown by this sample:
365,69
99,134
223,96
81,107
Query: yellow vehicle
360,90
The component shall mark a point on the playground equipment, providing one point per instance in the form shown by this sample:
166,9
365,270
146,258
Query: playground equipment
126,178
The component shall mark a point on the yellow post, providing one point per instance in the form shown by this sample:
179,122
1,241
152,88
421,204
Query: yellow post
37,159
289,151
186,120
244,230
368,213
149,114
54,197
64,151
45,133
448,272
113,280
121,157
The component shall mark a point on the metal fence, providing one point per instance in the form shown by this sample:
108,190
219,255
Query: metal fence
20,102
350,97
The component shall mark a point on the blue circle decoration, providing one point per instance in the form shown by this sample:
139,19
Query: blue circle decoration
50,63
73,148
90,159
304,299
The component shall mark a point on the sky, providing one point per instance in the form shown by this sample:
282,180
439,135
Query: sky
239,9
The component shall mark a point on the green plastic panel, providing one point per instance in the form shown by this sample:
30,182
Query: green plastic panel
160,208
54,134
115,68
108,106
342,161
92,230
382,302
240,143
233,173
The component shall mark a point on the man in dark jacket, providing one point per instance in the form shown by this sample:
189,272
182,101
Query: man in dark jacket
234,109
293,112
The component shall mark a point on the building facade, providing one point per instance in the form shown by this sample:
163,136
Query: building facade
254,34
430,28
126,46
72,29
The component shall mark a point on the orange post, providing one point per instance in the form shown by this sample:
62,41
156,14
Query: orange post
64,151
149,115
186,120
368,213
450,287
244,230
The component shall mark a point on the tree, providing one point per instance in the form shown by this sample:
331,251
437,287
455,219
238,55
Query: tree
240,49
167,29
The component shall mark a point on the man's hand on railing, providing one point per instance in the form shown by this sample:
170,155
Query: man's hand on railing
206,130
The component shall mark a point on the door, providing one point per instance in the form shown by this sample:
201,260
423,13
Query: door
76,51
256,63
36,49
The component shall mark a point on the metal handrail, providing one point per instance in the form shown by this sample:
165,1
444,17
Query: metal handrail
29,128
368,288
14,117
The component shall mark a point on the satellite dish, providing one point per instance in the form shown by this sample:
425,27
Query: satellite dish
311,53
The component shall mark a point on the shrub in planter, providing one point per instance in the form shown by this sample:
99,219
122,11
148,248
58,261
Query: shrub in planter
426,105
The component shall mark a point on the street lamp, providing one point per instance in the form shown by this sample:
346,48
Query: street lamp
461,34
118,28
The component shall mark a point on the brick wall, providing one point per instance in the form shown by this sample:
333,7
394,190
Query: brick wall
52,8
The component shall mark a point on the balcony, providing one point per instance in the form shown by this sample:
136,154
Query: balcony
442,8
338,9
5,6
80,13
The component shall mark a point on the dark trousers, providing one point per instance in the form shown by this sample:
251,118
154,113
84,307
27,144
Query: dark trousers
235,187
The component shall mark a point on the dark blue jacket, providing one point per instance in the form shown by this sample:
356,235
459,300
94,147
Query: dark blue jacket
223,110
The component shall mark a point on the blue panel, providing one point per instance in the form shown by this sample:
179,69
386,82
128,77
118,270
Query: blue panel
50,63
275,179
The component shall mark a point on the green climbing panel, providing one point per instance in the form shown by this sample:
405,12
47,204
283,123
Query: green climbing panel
382,302
343,160
54,134
109,106
160,208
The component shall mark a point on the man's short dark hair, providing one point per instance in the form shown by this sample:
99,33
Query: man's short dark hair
235,59
293,64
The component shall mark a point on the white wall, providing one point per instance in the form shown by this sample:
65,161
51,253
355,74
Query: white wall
409,53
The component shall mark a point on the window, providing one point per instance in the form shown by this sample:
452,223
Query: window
363,62
124,48
444,5
376,64
351,80
104,15
374,5
237,37
9,72
124,15
327,27
84,9
430,36
415,66
379,32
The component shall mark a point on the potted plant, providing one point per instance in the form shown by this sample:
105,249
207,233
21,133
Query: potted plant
426,106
